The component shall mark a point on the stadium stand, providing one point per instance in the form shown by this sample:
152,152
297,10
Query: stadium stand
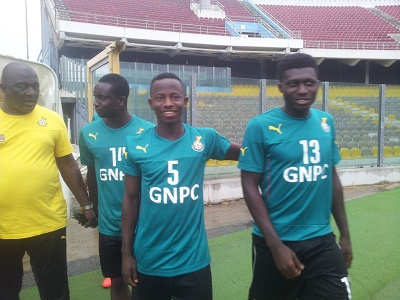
145,14
333,24
319,24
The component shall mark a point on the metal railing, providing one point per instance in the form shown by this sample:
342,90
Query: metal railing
352,45
91,18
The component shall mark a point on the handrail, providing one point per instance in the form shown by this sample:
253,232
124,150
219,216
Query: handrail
294,34
142,24
351,45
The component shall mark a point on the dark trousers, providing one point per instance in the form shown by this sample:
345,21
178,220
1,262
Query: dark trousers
324,275
191,286
48,260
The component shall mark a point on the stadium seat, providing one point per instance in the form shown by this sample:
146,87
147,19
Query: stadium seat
396,150
391,133
366,117
366,138
355,132
346,132
359,128
345,153
387,151
366,152
355,152
343,145
353,144
347,138
375,151
362,144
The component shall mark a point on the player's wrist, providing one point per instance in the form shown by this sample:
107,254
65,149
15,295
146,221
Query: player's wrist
87,207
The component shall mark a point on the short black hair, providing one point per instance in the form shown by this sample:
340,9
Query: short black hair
119,84
295,61
168,76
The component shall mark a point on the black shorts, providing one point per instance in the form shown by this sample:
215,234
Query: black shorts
191,286
110,255
324,275
48,259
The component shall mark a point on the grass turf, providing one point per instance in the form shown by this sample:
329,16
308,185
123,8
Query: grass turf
375,273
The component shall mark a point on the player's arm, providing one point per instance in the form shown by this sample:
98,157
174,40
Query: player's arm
92,186
130,212
73,178
285,259
233,152
339,214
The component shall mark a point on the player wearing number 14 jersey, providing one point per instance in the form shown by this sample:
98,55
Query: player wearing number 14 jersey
102,146
290,153
164,169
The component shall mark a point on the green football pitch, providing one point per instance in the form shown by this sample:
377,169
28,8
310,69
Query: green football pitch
375,273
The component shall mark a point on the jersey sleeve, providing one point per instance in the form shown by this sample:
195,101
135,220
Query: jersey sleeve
87,158
129,165
219,145
63,146
252,153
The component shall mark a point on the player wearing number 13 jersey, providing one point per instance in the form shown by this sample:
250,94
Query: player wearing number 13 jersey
290,153
164,169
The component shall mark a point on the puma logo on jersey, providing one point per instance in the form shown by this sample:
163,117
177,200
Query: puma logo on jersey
93,135
139,130
278,129
243,150
142,148
126,155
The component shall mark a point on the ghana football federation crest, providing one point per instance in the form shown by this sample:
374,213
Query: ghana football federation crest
197,144
42,122
325,126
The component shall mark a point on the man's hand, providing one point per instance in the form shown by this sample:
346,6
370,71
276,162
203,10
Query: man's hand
91,218
347,253
129,271
287,262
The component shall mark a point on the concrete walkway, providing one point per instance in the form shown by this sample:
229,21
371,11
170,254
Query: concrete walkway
220,219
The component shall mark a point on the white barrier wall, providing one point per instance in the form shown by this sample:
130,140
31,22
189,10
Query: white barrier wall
367,176
219,190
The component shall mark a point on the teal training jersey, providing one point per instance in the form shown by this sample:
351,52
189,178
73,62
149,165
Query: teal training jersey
103,147
296,157
171,238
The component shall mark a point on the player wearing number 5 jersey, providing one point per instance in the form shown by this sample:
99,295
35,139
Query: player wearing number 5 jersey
166,165
102,146
290,153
